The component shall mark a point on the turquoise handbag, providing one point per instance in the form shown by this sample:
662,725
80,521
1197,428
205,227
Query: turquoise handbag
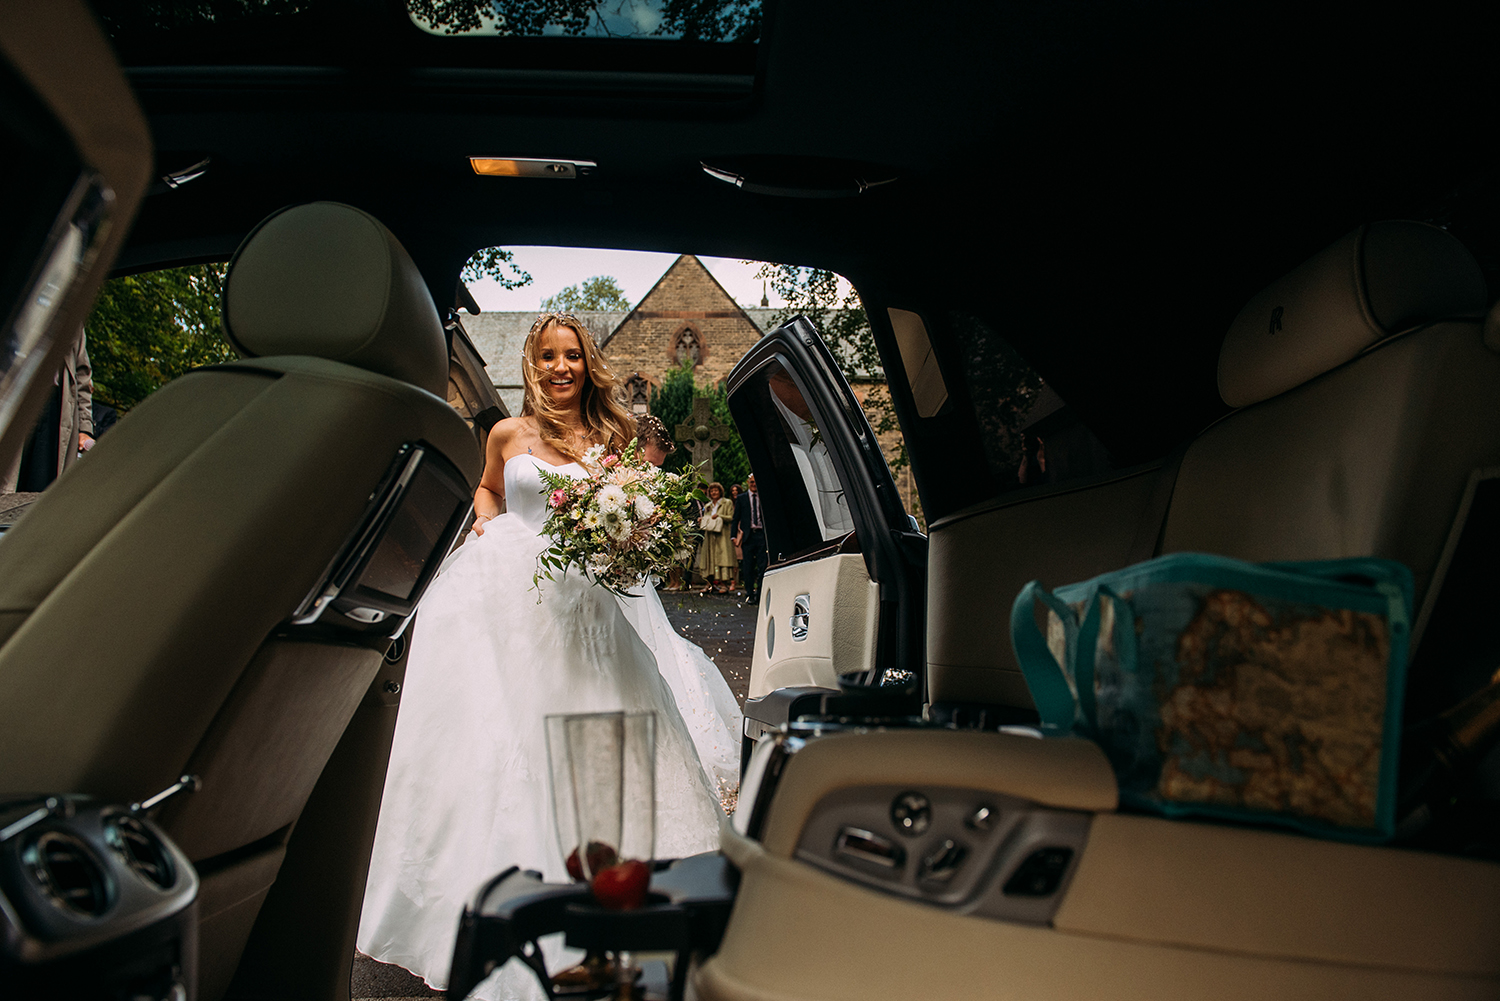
1266,692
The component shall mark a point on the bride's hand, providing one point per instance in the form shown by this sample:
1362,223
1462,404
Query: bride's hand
480,521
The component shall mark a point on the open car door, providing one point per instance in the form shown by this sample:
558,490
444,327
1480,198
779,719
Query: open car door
842,604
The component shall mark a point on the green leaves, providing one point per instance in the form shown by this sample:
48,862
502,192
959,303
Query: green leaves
600,292
147,329
622,523
496,264
673,403
814,293
691,20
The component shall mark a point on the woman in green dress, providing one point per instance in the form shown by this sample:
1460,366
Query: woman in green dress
716,554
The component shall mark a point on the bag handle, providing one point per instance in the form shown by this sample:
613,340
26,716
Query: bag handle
1050,687
1085,661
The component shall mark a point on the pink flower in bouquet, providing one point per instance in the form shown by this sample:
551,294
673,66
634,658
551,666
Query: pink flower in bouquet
610,460
559,497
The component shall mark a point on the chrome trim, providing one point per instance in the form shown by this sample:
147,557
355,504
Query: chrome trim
187,783
178,178
339,572
801,614
882,851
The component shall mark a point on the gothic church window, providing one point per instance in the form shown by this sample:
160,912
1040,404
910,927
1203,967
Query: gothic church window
638,392
689,347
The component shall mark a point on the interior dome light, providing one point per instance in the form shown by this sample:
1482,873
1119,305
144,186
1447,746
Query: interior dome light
558,170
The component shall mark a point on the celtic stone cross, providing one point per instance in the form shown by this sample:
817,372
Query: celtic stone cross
701,435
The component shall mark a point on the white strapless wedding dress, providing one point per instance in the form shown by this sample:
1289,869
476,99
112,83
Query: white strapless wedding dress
466,794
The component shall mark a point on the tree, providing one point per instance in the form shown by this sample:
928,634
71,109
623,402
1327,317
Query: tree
672,402
814,293
496,264
599,292
691,20
147,329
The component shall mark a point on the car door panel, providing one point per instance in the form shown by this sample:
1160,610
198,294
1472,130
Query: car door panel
1147,899
817,620
837,535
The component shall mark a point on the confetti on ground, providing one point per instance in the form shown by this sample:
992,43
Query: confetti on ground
723,625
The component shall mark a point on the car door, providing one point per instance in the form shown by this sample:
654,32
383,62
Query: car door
839,627
77,159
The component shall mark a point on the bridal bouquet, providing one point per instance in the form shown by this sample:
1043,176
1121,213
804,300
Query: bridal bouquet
620,524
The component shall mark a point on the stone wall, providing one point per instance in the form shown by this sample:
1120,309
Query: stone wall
686,315
646,341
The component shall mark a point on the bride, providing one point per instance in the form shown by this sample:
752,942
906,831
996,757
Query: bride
466,793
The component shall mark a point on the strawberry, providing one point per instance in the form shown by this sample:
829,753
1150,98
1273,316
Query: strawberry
599,856
622,887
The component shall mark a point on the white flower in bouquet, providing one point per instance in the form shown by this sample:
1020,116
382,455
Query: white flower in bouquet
611,499
622,524
616,525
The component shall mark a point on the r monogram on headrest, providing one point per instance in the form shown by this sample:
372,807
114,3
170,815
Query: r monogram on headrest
1276,320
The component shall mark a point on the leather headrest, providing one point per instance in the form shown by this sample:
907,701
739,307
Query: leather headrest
1381,279
329,280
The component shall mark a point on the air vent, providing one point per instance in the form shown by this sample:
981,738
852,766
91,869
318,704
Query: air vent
67,873
141,850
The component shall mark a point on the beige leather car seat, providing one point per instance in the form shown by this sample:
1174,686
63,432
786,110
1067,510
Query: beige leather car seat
146,598
1366,397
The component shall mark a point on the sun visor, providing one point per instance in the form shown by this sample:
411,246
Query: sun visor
1379,280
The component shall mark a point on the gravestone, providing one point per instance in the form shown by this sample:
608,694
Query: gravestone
701,435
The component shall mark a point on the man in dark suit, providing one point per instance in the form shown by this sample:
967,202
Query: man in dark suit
750,536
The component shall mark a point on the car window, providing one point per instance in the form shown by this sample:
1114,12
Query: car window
147,329
835,308
711,21
1032,437
815,510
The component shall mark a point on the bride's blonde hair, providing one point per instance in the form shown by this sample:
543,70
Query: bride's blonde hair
605,419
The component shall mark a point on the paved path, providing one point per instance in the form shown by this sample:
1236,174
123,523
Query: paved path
724,626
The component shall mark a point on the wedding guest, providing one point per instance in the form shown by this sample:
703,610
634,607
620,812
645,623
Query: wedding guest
750,535
739,553
716,553
64,430
655,443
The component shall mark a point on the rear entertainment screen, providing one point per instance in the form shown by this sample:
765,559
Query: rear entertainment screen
412,536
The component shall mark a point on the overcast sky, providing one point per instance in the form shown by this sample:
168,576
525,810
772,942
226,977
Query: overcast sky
555,268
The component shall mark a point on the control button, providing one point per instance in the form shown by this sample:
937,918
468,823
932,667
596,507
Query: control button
911,813
867,847
1040,874
982,819
943,861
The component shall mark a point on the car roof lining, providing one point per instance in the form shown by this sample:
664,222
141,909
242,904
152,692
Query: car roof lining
1106,186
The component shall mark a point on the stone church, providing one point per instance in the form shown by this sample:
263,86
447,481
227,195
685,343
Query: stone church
687,315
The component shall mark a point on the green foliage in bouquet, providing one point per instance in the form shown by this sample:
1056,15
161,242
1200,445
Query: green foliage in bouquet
624,522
